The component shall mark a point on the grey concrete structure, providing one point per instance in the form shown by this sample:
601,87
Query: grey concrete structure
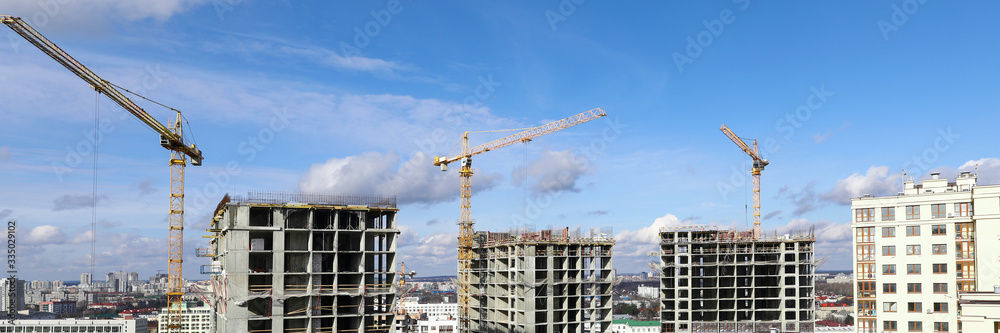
545,281
303,263
726,281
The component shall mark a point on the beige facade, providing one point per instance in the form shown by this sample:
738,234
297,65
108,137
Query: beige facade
915,251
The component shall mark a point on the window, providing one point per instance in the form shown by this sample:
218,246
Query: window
913,212
889,250
912,268
864,214
889,325
941,307
888,213
938,211
866,252
889,288
914,307
938,229
913,230
888,231
940,326
912,250
913,288
940,288
963,209
889,306
914,326
889,269
865,235
939,249
940,268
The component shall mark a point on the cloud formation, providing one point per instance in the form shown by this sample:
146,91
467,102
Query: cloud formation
415,181
70,202
877,181
554,171
45,234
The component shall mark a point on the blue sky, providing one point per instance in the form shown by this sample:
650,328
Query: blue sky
355,98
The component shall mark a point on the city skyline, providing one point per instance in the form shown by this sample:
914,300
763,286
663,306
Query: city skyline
845,99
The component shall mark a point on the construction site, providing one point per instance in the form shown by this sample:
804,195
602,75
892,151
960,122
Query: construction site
542,281
300,262
716,280
285,262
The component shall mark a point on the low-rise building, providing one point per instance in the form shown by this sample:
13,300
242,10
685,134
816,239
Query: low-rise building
634,326
76,325
58,306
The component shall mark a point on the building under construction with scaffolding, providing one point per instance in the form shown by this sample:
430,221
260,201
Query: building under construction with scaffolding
541,281
286,262
716,281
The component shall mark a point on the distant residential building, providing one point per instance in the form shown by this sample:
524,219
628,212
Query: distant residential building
648,291
86,279
431,309
634,326
76,325
194,319
918,250
6,286
58,306
437,325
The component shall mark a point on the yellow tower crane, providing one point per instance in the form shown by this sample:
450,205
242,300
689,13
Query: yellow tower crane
758,166
465,221
170,137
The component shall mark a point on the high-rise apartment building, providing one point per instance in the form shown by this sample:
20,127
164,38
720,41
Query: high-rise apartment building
915,252
544,281
728,281
86,279
285,262
11,288
194,319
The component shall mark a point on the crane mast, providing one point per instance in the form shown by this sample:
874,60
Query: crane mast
465,222
758,166
171,138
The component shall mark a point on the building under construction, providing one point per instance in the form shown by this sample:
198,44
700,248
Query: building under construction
730,281
544,281
303,263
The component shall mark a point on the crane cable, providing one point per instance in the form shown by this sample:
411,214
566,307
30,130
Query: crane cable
93,217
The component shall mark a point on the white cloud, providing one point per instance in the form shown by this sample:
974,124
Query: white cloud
638,243
407,236
45,234
987,170
876,181
415,181
437,250
555,171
